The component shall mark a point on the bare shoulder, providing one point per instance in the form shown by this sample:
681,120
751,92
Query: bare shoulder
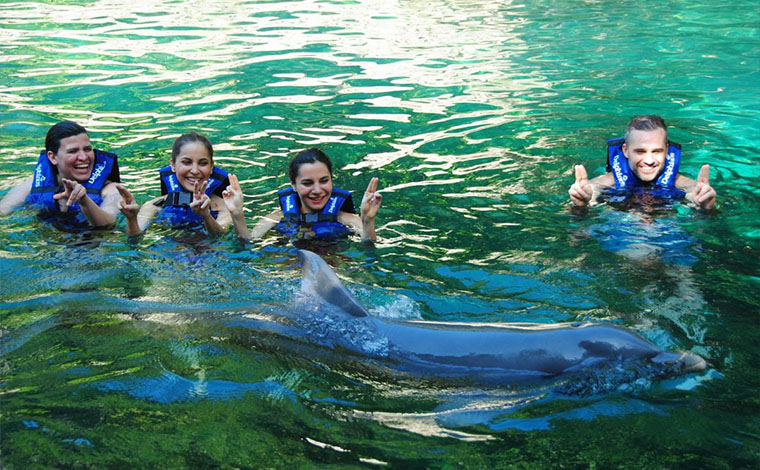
16,196
109,189
350,220
266,223
27,182
24,185
606,180
274,216
684,182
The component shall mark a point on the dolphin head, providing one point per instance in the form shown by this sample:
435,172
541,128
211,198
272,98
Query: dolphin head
685,362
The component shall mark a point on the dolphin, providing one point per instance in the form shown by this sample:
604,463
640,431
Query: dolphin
501,353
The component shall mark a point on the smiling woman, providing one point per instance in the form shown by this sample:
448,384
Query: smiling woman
191,188
311,207
73,185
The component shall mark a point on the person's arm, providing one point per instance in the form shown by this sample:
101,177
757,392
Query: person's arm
130,208
699,192
97,216
141,219
112,200
584,192
370,205
233,200
16,196
223,218
265,224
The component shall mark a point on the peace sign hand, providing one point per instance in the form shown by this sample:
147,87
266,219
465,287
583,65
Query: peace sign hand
371,200
233,196
201,201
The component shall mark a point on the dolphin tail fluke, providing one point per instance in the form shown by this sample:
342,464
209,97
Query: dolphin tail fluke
319,279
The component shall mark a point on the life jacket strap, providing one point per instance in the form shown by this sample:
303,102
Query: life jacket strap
178,198
310,218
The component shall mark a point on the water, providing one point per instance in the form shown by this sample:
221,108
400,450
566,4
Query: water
147,354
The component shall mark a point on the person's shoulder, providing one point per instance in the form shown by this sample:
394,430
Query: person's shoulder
604,181
25,182
109,187
350,220
684,182
276,214
16,196
24,186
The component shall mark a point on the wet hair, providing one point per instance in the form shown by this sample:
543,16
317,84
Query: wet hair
647,122
311,155
188,138
60,131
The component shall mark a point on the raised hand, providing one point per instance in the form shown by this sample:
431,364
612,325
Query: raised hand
704,195
581,191
73,191
233,196
201,201
127,205
371,200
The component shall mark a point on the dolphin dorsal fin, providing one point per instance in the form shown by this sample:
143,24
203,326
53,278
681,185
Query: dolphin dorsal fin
319,279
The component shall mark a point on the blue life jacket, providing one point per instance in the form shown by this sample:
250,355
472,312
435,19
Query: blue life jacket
625,180
320,225
176,208
45,186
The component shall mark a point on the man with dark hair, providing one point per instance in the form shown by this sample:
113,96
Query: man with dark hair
73,184
644,159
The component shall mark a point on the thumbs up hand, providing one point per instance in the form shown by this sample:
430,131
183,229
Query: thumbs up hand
581,191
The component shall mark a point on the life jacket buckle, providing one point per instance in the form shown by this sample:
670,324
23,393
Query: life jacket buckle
179,199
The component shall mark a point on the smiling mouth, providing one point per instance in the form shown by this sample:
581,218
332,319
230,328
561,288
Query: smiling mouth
81,170
193,180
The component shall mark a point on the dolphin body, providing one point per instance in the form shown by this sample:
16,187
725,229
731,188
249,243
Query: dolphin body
498,353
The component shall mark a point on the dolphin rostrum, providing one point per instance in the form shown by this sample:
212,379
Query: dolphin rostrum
503,353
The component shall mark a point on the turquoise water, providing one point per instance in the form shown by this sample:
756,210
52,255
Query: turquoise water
147,354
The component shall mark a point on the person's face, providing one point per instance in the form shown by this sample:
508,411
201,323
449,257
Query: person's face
646,151
75,158
314,186
192,165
